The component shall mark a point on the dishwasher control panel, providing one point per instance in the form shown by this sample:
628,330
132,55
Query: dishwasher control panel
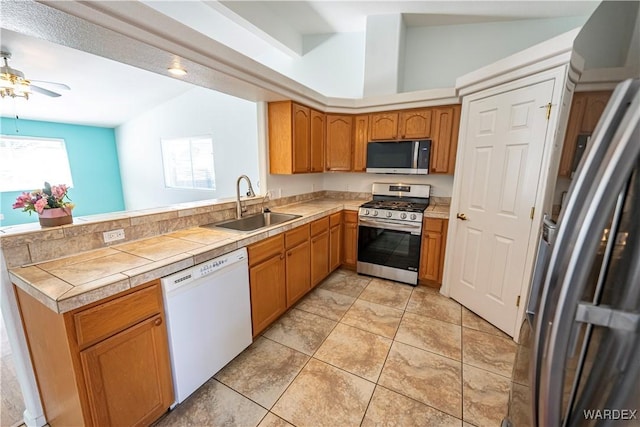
187,276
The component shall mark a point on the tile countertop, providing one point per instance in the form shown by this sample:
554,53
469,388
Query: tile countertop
69,283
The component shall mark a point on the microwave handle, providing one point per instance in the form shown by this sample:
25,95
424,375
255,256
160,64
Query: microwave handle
416,151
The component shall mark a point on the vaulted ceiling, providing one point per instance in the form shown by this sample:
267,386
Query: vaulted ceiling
108,93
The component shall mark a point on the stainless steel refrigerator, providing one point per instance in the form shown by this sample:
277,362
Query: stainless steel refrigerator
581,346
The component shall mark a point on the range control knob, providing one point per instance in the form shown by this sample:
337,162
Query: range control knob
403,215
375,213
413,216
389,214
366,211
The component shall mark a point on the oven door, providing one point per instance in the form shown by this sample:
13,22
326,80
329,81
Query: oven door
389,250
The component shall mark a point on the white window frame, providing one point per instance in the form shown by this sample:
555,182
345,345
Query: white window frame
26,162
206,164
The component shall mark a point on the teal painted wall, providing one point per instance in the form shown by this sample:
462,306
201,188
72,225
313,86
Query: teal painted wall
93,159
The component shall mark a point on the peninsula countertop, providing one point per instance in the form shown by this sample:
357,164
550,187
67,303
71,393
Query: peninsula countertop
71,282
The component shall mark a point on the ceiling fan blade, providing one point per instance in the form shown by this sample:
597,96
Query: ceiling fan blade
38,89
58,85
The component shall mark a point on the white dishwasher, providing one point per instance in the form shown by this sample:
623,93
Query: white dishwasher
208,313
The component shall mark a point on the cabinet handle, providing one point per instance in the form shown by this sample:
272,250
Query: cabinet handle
289,253
158,321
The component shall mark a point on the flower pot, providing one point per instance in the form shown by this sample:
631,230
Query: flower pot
55,216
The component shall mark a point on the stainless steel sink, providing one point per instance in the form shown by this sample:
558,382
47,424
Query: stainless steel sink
255,222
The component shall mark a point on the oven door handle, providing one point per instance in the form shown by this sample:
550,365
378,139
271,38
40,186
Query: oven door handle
391,225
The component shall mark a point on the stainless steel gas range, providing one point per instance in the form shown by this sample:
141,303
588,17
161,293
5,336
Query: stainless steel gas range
390,229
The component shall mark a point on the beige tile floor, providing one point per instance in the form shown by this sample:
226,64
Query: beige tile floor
362,351
11,402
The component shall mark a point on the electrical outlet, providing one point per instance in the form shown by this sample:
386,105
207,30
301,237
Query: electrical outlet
113,235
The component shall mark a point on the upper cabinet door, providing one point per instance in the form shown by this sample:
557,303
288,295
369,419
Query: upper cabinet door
596,101
317,141
360,140
383,126
586,109
339,134
301,139
446,124
415,124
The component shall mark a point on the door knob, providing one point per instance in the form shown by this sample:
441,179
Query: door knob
462,216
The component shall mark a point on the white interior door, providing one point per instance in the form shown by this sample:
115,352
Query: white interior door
501,161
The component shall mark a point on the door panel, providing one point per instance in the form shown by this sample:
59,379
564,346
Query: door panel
128,375
505,138
301,154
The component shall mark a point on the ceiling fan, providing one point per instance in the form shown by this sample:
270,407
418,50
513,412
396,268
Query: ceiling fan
15,85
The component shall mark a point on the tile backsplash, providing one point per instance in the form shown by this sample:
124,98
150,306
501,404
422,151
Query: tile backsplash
29,244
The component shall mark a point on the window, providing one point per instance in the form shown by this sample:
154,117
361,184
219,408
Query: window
27,162
188,163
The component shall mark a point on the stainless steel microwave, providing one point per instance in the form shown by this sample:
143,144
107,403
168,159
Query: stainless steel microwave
404,157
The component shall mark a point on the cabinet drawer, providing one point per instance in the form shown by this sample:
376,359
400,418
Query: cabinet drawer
102,321
431,224
335,219
296,236
320,225
266,249
351,217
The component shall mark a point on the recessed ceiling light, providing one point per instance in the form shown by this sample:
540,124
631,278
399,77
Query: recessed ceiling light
177,71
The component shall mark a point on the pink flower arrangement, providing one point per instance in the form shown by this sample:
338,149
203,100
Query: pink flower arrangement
47,198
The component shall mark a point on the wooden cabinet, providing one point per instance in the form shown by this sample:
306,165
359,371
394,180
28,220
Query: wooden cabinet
383,126
317,141
586,109
267,282
339,132
303,140
360,140
432,251
319,250
350,239
335,241
103,364
296,138
298,279
415,124
400,125
126,375
446,125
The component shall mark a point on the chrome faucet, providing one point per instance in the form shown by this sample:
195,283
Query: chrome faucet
250,193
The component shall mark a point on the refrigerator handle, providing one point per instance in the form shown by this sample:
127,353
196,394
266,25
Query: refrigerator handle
603,173
540,269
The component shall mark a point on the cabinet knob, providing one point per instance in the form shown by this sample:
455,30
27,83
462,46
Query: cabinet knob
281,256
462,217
158,321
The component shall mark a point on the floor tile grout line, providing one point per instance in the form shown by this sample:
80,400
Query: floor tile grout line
393,340
418,401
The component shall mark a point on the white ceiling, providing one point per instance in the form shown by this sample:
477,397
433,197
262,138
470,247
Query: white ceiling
103,92
108,93
320,17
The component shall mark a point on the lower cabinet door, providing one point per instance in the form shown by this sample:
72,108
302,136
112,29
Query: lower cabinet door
128,376
268,292
335,247
350,244
430,256
298,277
319,257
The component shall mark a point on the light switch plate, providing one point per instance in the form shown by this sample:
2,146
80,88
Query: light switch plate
113,235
